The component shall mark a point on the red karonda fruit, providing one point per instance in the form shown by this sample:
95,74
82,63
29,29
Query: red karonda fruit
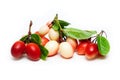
91,51
81,48
33,51
44,40
18,49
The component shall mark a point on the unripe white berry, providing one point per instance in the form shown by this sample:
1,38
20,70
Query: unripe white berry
43,30
66,50
52,47
73,42
53,35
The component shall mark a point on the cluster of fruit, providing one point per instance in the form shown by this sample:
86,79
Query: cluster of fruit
55,38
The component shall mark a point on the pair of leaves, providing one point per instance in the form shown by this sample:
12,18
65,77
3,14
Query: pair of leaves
36,39
59,23
103,45
32,38
78,34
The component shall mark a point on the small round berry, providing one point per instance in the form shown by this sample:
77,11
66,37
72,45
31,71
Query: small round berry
53,35
66,50
52,47
43,30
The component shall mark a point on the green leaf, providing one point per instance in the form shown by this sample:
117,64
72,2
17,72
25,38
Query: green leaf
44,52
103,45
35,38
63,23
59,24
24,38
78,34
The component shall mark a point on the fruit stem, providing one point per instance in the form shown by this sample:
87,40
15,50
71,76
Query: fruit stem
57,21
29,32
61,37
101,33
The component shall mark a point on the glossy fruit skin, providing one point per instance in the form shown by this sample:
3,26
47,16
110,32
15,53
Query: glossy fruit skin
44,40
17,50
91,51
81,48
73,42
66,51
52,47
33,51
43,30
53,35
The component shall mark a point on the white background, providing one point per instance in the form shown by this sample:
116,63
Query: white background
83,14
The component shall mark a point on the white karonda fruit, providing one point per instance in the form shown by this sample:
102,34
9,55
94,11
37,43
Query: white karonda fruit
66,50
53,35
43,30
73,42
52,47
